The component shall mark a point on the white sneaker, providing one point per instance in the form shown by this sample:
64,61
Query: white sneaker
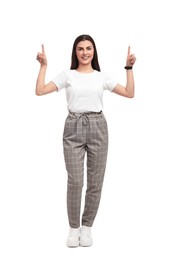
86,236
73,237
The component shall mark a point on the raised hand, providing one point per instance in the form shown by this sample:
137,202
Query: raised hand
130,61
41,57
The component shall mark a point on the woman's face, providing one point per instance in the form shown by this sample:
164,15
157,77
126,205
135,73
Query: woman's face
85,52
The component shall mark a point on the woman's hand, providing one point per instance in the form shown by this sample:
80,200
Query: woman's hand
130,61
41,57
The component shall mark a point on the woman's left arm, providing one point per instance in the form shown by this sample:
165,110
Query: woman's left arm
129,90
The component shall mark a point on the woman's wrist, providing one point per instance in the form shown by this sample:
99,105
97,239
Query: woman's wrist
128,67
43,66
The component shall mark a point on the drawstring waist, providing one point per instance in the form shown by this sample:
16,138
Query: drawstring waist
84,116
82,119
86,113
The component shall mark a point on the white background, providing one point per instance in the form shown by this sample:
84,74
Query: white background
135,215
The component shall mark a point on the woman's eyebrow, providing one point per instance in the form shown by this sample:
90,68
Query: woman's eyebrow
90,46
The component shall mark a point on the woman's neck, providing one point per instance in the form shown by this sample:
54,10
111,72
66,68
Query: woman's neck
85,69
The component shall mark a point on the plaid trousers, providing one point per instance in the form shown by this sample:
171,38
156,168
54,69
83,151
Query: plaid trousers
84,133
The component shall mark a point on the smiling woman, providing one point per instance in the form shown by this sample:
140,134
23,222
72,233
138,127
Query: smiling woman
84,53
85,129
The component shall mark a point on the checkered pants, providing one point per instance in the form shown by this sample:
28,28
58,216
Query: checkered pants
84,133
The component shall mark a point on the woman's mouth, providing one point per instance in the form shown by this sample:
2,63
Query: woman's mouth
85,57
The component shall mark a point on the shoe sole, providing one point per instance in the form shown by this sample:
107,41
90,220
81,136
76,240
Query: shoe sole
72,244
84,244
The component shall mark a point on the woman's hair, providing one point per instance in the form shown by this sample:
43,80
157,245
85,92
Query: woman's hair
74,60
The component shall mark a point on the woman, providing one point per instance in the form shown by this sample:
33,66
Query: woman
85,130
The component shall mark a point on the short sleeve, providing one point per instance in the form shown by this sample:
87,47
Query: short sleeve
60,80
109,83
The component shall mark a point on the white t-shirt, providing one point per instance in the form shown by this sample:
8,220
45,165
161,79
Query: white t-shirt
84,91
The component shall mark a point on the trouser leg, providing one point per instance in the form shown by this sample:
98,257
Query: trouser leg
75,170
97,147
74,151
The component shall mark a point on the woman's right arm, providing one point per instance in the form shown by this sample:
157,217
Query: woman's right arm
41,88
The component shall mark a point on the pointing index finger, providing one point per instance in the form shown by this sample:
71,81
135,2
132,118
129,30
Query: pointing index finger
43,49
128,53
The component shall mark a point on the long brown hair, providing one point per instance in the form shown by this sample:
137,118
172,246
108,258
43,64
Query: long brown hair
74,60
